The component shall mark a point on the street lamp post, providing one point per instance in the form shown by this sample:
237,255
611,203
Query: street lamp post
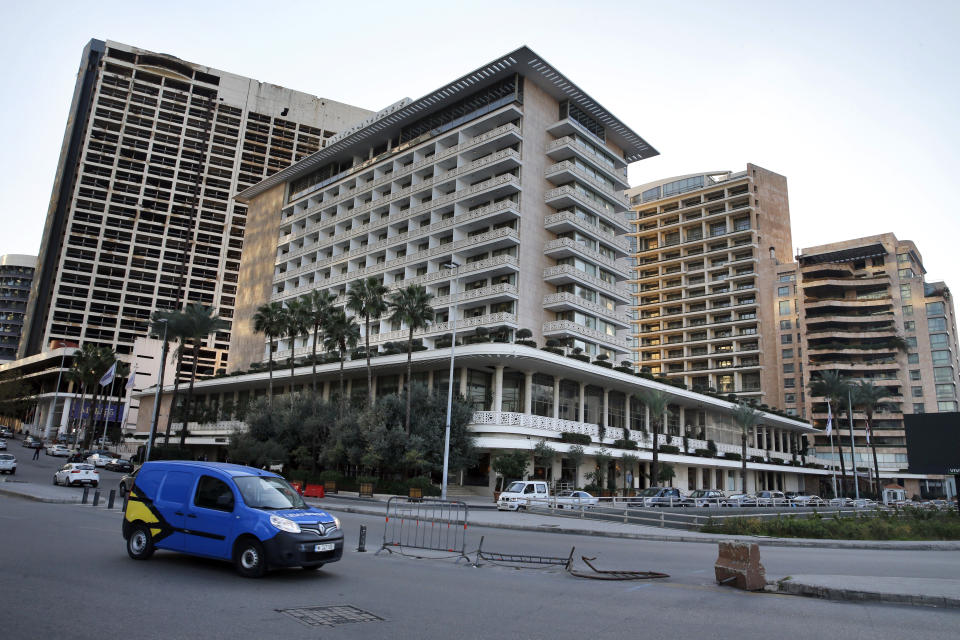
853,448
453,347
156,397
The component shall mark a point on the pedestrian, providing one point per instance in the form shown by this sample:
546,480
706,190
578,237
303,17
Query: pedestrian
36,453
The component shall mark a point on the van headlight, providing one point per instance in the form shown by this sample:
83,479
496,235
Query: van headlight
285,524
336,521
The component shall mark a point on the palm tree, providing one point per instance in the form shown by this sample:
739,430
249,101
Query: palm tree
868,396
178,330
268,320
657,402
89,365
318,304
199,322
411,306
296,323
832,386
746,418
342,334
366,299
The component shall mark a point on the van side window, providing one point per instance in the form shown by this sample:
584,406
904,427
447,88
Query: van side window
528,488
213,494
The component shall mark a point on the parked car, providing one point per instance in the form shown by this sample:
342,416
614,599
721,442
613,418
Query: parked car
704,498
74,473
119,464
99,459
520,494
32,443
6,432
800,500
57,450
739,500
575,500
3,445
251,517
771,499
126,482
77,456
8,463
657,497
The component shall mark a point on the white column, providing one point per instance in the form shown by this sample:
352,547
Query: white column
606,408
528,392
48,425
626,412
556,397
463,381
582,396
699,477
498,387
65,417
430,380
373,387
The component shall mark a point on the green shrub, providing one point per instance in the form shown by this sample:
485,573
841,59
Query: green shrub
575,438
669,448
729,455
908,524
526,343
624,443
579,356
704,453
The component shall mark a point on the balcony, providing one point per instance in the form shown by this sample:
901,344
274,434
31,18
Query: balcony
567,171
563,273
569,221
563,247
567,196
563,301
566,327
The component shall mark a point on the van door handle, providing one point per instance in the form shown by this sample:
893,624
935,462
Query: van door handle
178,513
191,515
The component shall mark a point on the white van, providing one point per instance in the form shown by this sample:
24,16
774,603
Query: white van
518,495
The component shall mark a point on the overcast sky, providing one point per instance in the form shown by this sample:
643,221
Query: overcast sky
855,102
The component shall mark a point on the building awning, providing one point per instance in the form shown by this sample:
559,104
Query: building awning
845,255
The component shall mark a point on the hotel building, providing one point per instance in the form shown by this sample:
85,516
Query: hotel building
16,276
502,193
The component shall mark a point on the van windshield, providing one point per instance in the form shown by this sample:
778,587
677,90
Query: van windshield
515,487
267,492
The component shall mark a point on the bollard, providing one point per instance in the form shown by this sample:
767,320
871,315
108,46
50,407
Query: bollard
362,546
96,497
86,492
110,500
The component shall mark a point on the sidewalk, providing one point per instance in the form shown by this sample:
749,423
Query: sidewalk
483,513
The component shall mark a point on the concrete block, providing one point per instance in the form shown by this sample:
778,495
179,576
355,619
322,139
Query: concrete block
738,564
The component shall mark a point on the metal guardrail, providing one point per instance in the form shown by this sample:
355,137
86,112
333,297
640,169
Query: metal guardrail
519,558
426,524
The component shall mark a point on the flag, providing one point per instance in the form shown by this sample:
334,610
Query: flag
128,396
829,419
868,433
109,376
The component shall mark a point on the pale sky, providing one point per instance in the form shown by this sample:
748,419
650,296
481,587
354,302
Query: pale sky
855,102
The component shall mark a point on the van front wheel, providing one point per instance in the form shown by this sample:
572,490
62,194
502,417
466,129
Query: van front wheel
249,558
140,544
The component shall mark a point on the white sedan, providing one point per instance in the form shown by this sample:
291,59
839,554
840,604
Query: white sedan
575,500
75,473
99,459
3,445
57,450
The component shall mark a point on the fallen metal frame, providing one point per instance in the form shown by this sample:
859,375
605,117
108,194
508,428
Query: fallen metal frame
520,558
603,574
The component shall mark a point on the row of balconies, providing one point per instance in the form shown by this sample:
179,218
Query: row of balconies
562,273
567,221
674,259
562,148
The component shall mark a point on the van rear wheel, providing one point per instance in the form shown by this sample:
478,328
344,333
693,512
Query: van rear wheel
249,559
140,543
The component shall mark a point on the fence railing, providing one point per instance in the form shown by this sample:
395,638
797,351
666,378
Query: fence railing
426,524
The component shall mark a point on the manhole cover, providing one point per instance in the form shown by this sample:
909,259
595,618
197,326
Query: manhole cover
330,616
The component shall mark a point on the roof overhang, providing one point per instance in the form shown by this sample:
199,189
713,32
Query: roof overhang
845,255
386,123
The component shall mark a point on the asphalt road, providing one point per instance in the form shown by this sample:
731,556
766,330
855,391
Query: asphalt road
64,573
41,471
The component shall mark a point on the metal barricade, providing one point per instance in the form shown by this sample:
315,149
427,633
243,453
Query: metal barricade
518,558
426,523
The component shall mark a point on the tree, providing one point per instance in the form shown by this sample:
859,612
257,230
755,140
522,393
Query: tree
511,465
342,334
89,365
544,453
628,461
576,454
746,418
666,474
657,402
178,330
366,299
601,460
268,320
296,322
868,396
199,322
411,306
318,304
833,387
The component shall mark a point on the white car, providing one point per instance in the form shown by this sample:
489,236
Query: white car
523,493
807,501
74,473
57,450
99,459
575,500
3,445
8,463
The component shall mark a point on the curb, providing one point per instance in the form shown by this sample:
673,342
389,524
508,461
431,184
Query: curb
27,496
933,545
854,595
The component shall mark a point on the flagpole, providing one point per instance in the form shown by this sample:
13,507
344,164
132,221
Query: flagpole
830,433
106,416
853,448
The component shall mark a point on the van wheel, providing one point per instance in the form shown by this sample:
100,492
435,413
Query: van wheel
140,544
249,558
312,567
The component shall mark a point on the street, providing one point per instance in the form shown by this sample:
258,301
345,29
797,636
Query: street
66,573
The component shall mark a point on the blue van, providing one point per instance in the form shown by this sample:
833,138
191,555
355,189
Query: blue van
250,517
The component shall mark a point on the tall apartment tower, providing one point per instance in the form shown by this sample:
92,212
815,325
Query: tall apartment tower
142,215
501,193
16,276
708,247
869,314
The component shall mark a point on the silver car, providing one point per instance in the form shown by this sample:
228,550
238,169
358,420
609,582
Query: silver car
8,463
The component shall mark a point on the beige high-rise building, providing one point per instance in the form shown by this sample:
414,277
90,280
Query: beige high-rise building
708,251
869,314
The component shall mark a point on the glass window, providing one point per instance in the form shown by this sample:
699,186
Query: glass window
786,353
213,494
939,340
918,407
945,391
787,277
905,273
911,342
914,374
786,324
947,405
784,307
943,374
789,383
541,391
908,309
268,492
910,325
913,358
935,309
783,291
940,357
786,338
916,392
906,291
937,324
788,367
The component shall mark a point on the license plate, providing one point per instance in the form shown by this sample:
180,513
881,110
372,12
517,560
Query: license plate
329,546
